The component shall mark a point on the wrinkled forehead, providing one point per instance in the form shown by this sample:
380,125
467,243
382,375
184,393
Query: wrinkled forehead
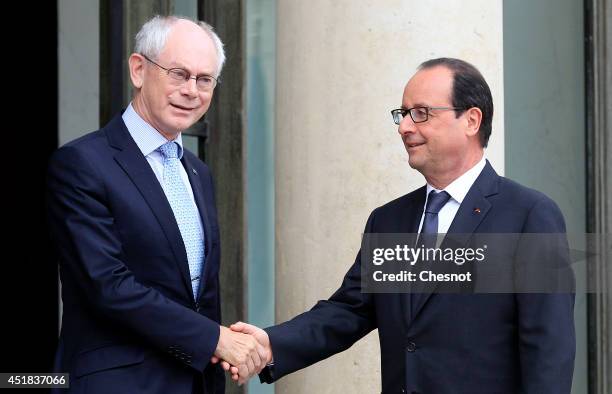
429,87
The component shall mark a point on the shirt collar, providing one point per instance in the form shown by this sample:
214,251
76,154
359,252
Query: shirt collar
146,137
459,188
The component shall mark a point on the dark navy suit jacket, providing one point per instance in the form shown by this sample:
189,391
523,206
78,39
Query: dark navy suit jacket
130,321
447,343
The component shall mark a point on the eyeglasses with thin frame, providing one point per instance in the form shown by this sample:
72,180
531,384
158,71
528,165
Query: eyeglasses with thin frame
179,76
417,114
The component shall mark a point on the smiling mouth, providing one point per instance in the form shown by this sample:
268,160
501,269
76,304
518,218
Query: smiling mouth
181,107
414,144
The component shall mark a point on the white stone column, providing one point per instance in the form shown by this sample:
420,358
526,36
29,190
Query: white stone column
341,67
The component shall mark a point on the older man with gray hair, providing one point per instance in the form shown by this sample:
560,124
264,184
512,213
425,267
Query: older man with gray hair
132,214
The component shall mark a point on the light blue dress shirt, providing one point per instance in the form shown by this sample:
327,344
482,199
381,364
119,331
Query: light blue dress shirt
148,140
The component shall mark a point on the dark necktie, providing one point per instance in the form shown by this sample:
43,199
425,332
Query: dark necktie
429,231
435,202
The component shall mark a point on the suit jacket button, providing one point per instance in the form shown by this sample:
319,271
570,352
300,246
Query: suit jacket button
411,347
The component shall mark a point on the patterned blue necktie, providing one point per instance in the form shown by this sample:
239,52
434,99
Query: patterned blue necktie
185,212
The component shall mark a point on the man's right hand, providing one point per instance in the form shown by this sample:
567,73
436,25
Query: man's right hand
246,355
261,336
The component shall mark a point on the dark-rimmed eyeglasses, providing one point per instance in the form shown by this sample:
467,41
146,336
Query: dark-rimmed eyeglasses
179,76
417,114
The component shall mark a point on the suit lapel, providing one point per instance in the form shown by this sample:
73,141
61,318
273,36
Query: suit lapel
475,205
135,165
198,194
471,213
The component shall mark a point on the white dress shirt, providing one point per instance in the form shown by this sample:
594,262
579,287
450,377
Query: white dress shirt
457,190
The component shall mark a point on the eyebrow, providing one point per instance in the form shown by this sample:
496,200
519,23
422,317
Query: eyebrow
416,105
174,64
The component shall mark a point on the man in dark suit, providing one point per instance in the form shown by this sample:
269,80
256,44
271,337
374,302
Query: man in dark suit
133,217
433,342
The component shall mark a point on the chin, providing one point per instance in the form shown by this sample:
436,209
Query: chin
182,124
412,162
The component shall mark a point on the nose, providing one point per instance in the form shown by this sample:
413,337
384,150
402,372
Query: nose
406,126
190,87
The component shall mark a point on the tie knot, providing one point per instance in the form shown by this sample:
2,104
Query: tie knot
169,150
436,201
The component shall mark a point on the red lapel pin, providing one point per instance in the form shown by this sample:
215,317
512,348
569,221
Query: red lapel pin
476,210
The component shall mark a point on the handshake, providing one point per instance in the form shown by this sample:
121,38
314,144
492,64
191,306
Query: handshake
243,350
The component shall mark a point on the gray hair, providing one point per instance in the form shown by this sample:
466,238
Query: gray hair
153,35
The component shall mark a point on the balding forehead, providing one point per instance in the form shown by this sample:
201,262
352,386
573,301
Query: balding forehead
183,26
431,86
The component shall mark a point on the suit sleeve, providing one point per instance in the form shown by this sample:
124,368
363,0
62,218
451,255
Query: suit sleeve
547,342
90,250
330,327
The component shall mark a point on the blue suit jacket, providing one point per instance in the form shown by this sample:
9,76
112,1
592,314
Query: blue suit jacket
130,321
449,343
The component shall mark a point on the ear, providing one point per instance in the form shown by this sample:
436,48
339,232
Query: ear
137,65
474,118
